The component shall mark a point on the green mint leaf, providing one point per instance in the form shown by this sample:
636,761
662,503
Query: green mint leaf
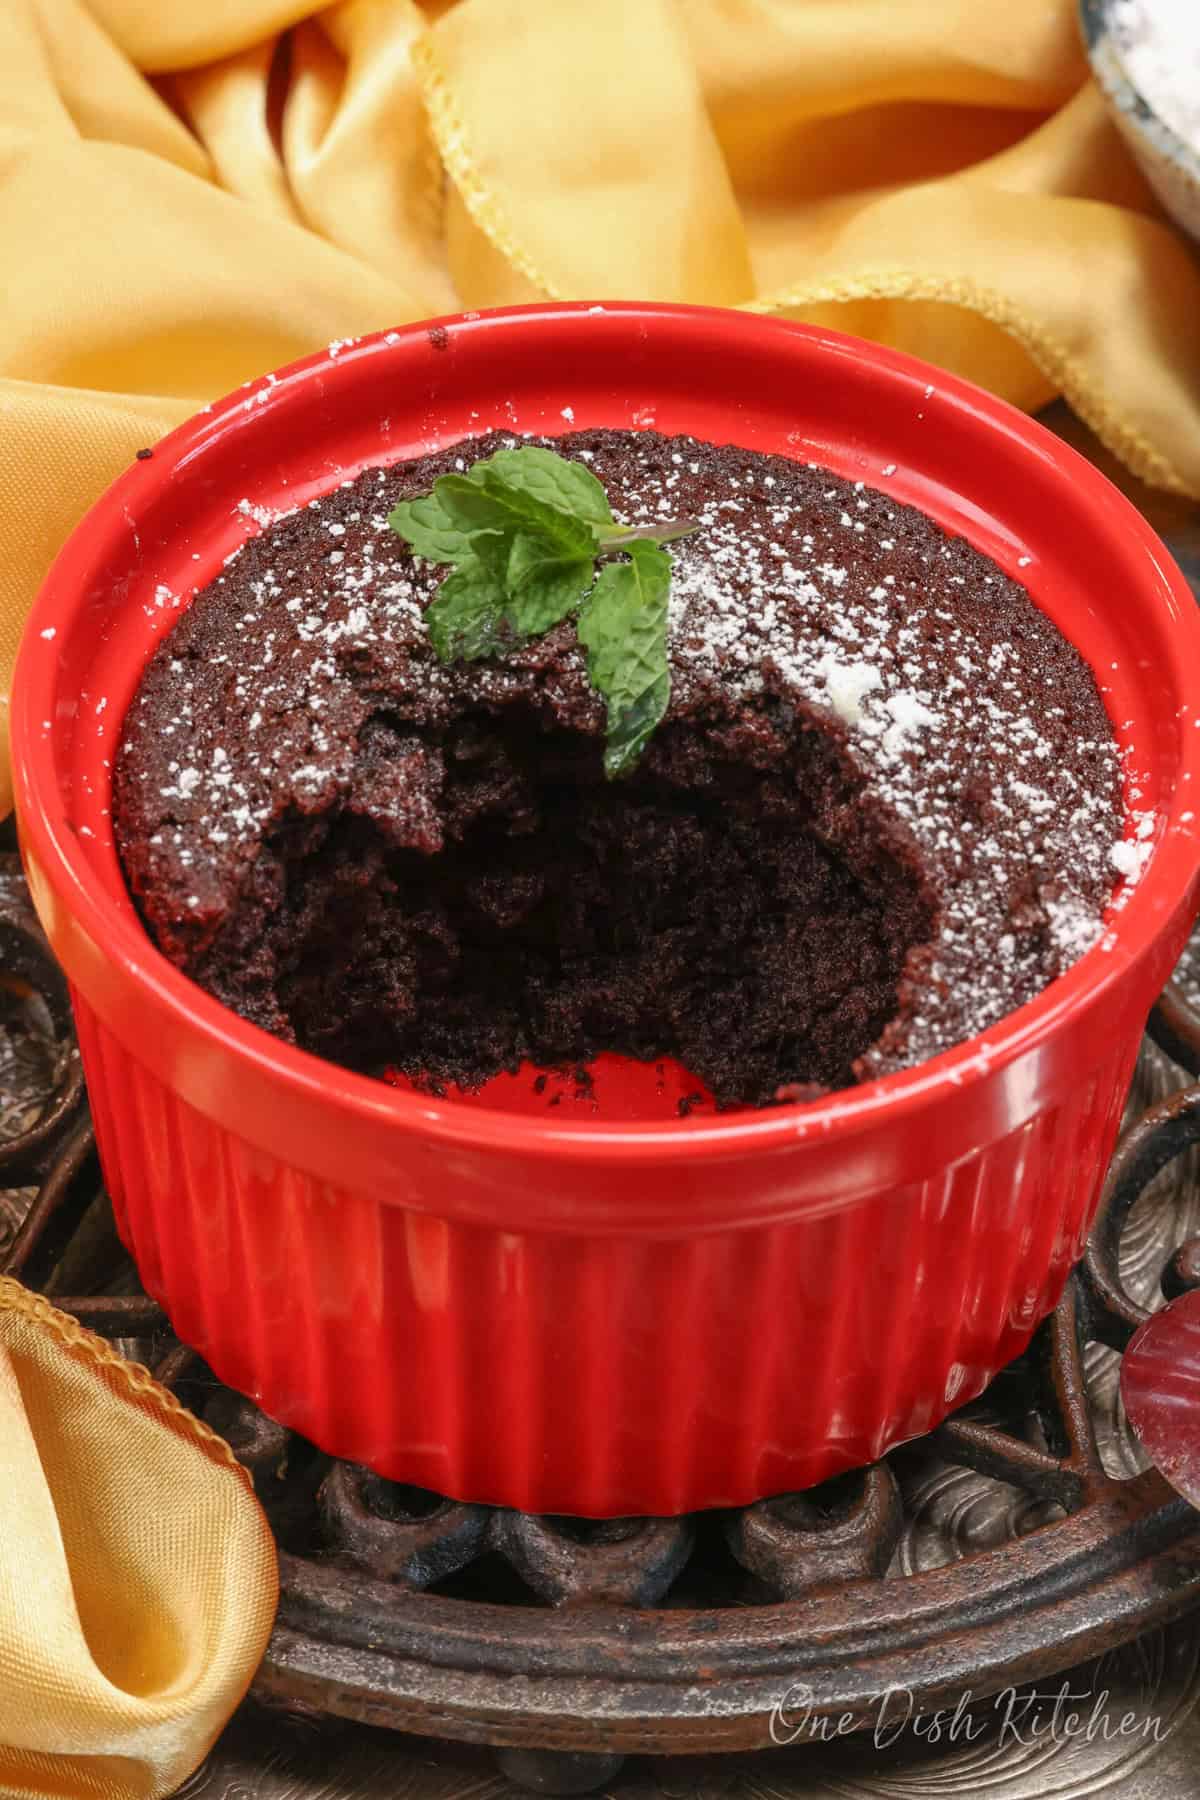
470,506
446,525
626,611
550,479
432,530
623,627
524,529
543,587
465,616
491,550
629,733
485,497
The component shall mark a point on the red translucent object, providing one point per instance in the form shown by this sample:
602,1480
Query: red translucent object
600,1309
1160,1385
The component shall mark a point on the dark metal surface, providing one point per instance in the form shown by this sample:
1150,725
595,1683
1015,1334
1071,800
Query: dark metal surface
1018,1753
1024,1537
1175,1028
41,1079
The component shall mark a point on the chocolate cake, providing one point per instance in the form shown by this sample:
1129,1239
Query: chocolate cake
879,813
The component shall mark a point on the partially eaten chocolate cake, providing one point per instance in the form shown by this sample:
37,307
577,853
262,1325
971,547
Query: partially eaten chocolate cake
879,813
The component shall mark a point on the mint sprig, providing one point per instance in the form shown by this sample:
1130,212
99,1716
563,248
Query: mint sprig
529,536
623,628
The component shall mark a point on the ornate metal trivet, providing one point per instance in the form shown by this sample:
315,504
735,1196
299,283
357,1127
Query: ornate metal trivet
1023,1537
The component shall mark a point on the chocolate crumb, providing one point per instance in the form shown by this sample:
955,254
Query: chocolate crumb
879,814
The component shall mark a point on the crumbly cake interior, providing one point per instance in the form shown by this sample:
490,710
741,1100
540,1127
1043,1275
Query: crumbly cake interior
560,915
880,813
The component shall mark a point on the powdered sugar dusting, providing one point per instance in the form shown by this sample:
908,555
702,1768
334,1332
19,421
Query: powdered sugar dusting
977,736
865,614
261,515
847,685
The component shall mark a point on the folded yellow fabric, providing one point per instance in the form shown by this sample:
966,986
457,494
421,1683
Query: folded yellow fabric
192,193
137,1573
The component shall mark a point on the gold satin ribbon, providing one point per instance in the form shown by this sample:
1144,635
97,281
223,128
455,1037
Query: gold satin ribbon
137,1573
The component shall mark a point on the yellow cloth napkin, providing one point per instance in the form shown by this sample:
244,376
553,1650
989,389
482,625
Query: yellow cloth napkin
137,1573
193,192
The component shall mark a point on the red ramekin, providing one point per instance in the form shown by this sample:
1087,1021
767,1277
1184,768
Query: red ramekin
617,1316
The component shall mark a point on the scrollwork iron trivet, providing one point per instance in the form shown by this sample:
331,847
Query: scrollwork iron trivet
1022,1538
